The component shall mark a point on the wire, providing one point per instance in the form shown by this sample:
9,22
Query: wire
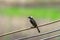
51,37
41,34
28,28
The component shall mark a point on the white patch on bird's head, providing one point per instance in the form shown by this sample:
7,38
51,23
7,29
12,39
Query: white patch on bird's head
31,16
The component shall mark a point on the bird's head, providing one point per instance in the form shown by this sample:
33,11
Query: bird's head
30,17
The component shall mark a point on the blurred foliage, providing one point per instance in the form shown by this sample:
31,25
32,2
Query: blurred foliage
40,12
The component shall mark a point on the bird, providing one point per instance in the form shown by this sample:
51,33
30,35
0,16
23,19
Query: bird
33,22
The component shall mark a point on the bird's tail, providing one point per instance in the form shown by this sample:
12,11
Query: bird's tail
38,29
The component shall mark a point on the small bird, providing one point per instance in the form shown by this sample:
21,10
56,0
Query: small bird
33,22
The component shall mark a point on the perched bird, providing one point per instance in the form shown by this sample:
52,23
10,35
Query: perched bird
33,22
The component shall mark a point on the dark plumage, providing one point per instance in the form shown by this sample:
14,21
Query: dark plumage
33,22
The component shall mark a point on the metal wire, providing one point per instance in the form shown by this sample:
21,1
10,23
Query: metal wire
40,34
28,29
51,37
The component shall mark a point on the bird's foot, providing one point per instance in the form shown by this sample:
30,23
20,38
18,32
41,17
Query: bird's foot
32,27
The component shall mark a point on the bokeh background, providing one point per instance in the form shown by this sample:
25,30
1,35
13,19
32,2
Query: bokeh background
14,16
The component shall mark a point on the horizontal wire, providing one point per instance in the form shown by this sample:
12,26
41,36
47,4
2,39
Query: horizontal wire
40,34
28,29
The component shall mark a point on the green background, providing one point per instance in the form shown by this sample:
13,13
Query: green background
37,12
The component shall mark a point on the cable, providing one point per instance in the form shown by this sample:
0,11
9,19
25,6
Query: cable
51,37
41,34
28,29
